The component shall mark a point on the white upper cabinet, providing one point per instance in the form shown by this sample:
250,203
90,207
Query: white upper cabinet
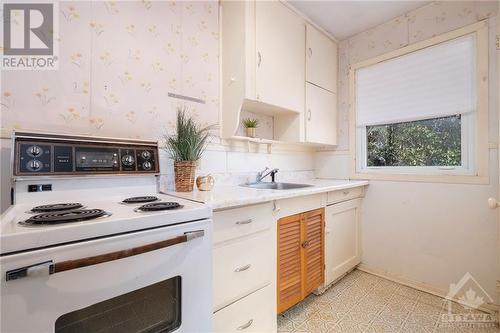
263,66
321,115
321,60
321,88
280,58
268,53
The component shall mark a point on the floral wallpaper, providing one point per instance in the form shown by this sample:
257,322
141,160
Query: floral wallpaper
119,60
420,24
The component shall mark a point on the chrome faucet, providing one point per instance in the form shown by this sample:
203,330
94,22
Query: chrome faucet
264,173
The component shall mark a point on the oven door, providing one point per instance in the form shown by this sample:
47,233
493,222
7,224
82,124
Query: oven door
158,280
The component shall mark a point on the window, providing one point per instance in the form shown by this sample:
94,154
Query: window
432,142
416,109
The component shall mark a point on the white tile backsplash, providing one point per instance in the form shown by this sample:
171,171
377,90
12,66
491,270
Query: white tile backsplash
247,162
213,162
235,168
302,161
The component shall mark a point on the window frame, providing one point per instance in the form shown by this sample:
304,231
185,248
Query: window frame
474,126
467,154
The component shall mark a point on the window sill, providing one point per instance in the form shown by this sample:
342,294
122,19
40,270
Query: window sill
448,179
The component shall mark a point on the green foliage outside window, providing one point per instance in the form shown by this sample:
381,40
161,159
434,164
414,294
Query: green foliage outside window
432,142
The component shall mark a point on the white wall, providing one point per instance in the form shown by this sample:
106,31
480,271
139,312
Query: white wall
432,233
425,232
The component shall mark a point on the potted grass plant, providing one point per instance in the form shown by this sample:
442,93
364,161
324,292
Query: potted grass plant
186,147
251,125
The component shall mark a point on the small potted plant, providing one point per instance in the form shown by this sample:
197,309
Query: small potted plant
251,125
186,147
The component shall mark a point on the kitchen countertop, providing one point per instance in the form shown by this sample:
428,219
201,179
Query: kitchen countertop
227,196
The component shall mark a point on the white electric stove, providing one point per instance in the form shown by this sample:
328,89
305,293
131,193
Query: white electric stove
91,245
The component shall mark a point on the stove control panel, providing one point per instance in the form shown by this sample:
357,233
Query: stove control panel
37,154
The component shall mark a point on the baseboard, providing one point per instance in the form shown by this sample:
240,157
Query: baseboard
489,307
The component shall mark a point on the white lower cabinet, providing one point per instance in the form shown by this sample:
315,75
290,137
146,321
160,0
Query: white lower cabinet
254,313
342,238
244,269
241,268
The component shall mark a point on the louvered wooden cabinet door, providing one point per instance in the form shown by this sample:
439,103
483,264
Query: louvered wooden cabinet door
313,244
289,263
300,256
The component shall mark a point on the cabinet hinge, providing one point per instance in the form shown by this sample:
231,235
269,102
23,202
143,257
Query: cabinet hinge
498,286
497,42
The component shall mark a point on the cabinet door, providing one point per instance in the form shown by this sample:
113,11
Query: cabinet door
321,116
321,60
343,238
289,262
313,244
280,56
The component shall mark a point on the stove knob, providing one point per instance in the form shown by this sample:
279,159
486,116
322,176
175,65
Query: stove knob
34,165
34,151
146,155
128,160
146,165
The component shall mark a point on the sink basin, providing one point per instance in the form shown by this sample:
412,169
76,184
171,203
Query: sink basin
275,186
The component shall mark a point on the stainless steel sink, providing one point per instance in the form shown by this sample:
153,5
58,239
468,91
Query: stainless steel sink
275,186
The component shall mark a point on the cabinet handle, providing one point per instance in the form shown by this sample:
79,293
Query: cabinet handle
310,52
309,115
244,222
242,268
345,192
259,59
276,207
305,244
245,326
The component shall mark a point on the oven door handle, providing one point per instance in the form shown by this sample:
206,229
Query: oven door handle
102,258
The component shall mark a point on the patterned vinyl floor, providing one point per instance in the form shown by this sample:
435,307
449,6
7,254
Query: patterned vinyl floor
361,302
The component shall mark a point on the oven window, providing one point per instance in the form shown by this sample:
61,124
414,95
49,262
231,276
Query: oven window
155,308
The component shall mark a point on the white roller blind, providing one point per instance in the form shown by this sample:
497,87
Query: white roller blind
437,81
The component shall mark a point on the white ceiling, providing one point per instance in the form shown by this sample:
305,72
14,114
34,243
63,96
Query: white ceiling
343,19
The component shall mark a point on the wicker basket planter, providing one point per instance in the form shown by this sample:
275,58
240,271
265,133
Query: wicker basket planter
184,175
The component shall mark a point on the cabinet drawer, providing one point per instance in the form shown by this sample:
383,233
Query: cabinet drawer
343,195
242,267
238,222
254,313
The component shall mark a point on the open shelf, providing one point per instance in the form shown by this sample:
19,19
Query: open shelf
249,140
254,140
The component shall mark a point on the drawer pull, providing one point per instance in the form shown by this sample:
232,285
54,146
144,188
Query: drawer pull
345,192
245,326
242,268
244,222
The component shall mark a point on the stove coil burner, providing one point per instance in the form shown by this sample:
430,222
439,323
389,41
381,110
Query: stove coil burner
140,199
77,215
56,207
158,206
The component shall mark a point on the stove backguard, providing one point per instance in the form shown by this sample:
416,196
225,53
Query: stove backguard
36,154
